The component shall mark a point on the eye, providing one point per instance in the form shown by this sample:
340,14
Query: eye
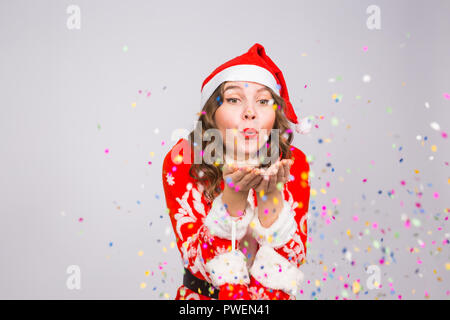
228,100
266,100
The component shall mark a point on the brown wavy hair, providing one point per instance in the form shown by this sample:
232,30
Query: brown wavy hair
210,175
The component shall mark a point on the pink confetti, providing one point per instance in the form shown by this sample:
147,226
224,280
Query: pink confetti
436,195
365,48
106,150
355,218
407,224
447,96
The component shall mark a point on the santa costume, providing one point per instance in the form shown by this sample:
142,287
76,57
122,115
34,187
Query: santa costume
228,257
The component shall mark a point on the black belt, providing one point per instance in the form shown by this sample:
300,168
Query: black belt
200,286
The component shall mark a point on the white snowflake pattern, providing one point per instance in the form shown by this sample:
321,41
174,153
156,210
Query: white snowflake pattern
170,179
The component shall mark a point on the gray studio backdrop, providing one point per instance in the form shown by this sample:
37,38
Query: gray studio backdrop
91,96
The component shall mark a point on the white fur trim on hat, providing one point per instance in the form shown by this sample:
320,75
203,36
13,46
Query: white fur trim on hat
280,232
274,271
230,267
219,221
242,72
304,126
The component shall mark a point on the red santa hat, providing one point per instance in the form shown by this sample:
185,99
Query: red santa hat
255,66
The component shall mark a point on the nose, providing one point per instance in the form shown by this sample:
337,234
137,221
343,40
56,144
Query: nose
249,115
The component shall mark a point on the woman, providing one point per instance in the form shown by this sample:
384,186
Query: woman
240,219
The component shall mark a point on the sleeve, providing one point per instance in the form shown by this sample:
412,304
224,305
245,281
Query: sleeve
206,234
275,273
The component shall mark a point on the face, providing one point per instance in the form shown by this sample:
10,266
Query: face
245,117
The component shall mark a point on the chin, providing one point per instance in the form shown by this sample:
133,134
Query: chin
247,148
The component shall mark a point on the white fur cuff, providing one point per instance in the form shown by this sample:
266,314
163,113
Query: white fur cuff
274,271
229,267
219,221
280,232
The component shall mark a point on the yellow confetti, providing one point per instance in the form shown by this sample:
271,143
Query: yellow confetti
447,266
133,104
178,159
147,273
172,244
164,249
356,287
275,200
433,148
140,253
143,285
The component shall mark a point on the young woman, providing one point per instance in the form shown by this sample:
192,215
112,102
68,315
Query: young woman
240,222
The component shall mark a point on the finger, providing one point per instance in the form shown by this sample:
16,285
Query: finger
287,170
244,182
272,183
283,179
262,186
229,168
281,171
236,176
255,182
272,170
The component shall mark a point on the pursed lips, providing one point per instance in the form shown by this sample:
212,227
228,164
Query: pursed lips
250,133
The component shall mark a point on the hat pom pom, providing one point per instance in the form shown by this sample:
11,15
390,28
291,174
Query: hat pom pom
304,126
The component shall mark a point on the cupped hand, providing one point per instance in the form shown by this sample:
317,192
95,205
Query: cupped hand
277,173
240,179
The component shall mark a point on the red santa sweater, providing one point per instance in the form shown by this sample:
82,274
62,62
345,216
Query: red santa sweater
205,231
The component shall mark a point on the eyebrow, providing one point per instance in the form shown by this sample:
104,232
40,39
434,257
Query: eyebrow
238,87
